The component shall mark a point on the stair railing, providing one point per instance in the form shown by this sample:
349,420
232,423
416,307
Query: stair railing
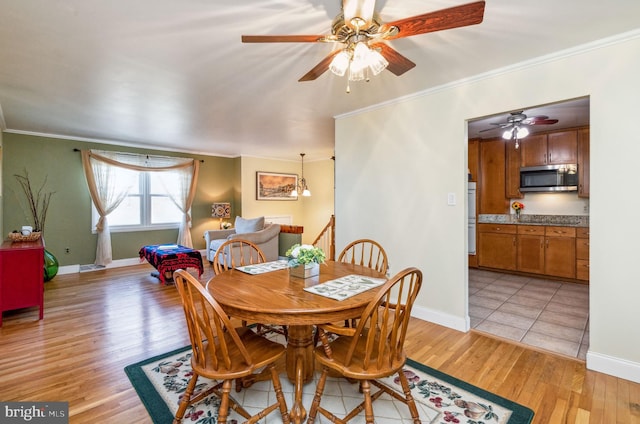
326,240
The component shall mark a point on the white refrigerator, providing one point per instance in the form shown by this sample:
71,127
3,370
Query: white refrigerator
472,218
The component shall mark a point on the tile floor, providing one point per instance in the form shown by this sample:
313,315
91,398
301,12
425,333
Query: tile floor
547,314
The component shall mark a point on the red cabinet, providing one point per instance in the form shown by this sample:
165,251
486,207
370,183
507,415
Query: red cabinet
21,276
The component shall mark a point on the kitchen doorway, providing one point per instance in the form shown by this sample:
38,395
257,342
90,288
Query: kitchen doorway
544,312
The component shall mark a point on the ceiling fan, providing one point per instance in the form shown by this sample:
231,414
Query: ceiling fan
515,128
359,27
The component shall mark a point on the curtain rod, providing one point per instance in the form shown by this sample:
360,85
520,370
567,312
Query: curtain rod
129,153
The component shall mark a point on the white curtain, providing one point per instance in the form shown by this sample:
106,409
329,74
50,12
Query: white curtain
179,176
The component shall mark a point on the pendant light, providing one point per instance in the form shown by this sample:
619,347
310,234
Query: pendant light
302,188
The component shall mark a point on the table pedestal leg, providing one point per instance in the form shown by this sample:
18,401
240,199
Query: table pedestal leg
299,365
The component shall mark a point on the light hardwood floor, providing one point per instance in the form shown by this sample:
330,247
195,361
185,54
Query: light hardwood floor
98,322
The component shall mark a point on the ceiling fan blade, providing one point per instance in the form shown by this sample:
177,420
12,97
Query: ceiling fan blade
542,122
453,17
536,118
498,126
320,68
283,38
398,64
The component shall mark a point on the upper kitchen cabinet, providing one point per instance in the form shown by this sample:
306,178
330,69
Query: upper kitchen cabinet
550,149
491,183
583,162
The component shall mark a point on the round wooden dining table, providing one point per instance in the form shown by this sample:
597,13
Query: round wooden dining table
279,299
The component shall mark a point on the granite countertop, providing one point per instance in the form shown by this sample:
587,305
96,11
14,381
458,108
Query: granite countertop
525,219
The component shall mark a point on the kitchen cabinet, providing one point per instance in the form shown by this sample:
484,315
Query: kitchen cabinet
583,162
512,183
550,149
21,276
546,250
497,246
491,181
473,158
582,254
533,150
530,245
555,251
560,252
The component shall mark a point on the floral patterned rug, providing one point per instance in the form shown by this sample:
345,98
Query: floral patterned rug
441,399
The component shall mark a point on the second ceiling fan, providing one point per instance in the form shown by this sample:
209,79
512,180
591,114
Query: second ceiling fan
360,29
515,127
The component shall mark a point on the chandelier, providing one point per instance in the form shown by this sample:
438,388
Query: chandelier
301,189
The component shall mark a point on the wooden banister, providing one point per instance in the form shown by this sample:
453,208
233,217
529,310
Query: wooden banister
326,239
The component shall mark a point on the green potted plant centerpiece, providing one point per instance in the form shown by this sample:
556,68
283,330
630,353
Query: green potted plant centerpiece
305,260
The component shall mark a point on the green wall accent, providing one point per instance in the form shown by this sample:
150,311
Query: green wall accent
68,223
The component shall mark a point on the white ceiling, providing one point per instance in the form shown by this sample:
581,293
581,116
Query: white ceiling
173,74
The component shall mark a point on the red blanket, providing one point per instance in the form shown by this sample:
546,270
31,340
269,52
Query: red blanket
171,257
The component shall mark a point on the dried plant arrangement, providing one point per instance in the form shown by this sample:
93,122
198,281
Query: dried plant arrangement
37,202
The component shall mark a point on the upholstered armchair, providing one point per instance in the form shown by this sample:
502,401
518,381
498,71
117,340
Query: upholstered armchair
265,236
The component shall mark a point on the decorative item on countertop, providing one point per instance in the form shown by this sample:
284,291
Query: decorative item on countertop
518,207
38,204
305,260
226,225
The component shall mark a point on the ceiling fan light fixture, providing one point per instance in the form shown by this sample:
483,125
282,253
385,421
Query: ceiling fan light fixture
356,58
507,134
340,63
361,53
377,62
356,71
522,132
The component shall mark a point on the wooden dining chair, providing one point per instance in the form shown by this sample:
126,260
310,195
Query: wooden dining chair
222,352
236,252
365,252
372,350
240,252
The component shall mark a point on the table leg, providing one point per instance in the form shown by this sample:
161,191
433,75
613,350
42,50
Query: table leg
299,363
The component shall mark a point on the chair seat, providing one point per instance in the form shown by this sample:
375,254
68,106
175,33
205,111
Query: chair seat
263,352
356,369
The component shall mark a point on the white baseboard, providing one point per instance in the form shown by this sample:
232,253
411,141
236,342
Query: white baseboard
441,318
611,365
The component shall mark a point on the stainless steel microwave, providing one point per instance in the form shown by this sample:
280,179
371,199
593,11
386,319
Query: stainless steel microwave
549,178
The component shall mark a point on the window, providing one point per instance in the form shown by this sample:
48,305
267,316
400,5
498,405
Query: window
147,206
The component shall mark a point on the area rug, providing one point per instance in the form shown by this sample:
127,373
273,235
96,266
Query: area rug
441,398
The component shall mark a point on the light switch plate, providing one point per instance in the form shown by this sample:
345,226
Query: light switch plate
451,199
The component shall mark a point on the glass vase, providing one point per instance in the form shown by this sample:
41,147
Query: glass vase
50,265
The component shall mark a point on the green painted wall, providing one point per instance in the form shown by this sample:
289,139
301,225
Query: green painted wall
68,223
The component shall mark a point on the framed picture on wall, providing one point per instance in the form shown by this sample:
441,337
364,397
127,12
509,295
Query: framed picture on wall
275,186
